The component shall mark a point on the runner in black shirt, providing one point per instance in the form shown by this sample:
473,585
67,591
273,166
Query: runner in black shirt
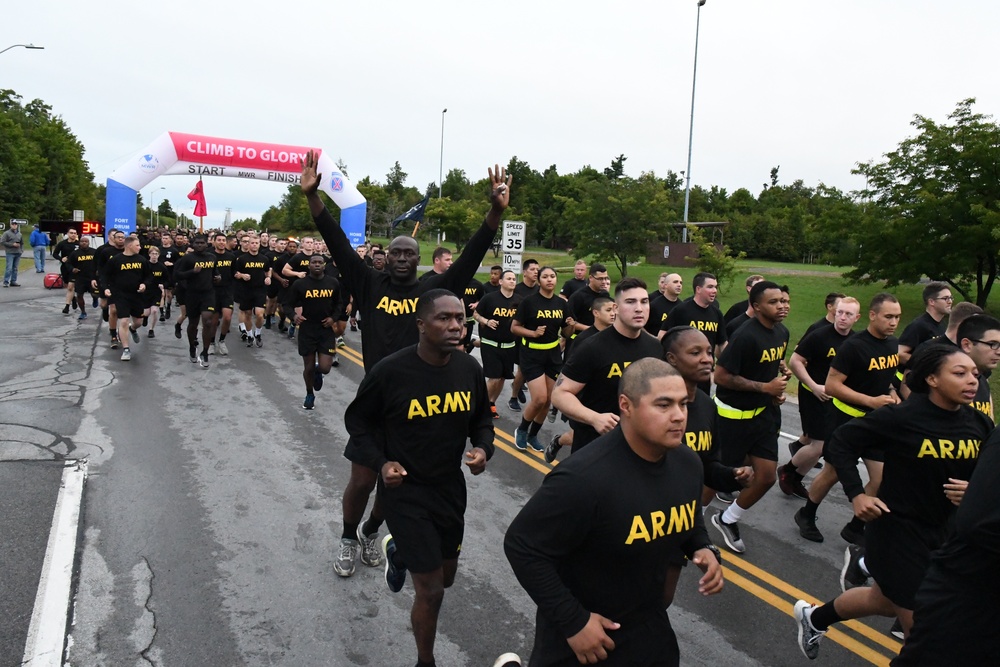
524,289
168,257
115,244
224,289
199,271
539,320
751,387
577,282
587,389
579,303
61,253
180,285
387,301
279,258
154,293
930,442
413,414
930,324
663,301
126,277
741,307
701,312
860,380
296,268
979,337
494,312
810,363
252,272
470,297
317,302
631,499
83,268
490,286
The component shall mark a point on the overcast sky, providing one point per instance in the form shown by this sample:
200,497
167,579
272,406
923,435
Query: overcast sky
813,86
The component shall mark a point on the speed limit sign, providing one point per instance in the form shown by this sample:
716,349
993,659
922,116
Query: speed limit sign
512,244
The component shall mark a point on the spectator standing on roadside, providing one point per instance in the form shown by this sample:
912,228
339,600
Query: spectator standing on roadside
11,241
39,241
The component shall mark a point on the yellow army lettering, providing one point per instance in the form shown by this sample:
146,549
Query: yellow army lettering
550,314
681,520
319,293
470,291
883,363
699,441
704,326
223,262
255,265
127,266
616,370
946,449
453,401
985,407
504,312
831,352
772,354
396,306
205,265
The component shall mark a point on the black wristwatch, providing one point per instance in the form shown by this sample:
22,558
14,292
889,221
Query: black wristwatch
715,550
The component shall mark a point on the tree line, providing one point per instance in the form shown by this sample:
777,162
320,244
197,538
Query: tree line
930,208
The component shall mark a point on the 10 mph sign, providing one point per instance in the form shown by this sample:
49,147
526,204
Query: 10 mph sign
512,244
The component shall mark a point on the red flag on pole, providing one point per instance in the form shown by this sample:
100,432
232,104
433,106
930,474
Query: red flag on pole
198,197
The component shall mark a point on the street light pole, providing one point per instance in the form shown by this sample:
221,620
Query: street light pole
441,164
27,46
694,81
151,203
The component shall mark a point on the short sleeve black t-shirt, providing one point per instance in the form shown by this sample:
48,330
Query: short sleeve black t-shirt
124,273
982,401
868,364
755,354
598,363
819,349
733,325
920,329
816,325
521,291
659,308
83,260
736,310
707,320
537,310
202,280
496,306
319,298
473,293
253,265
572,286
224,262
581,303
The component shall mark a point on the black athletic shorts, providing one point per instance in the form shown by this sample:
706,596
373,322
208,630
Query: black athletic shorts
812,412
427,521
66,272
199,302
536,363
897,554
83,286
151,297
498,362
757,437
223,298
362,457
180,293
316,338
251,297
128,305
645,638
273,288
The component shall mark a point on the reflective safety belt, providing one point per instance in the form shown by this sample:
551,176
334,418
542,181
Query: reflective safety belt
848,409
540,346
729,412
493,343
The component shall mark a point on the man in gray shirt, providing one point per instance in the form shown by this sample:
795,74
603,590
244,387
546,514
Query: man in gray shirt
11,242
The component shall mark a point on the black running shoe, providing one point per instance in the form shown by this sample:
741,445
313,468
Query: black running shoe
177,332
317,378
853,536
807,527
66,309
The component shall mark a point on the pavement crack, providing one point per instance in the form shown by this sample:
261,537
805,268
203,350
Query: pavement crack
145,652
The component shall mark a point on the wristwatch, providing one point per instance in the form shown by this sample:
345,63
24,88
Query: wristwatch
715,550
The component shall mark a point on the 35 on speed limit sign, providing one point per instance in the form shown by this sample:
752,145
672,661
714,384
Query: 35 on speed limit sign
512,244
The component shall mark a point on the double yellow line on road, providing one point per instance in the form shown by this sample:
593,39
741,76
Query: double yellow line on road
758,582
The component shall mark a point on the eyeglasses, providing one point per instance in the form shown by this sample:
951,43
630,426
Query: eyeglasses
943,298
993,344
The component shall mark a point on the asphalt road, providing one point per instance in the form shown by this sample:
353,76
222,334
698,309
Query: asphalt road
211,516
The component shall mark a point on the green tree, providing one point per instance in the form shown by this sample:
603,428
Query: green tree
719,261
395,180
932,207
166,209
458,220
247,224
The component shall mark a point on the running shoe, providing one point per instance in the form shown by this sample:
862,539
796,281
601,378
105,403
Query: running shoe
807,526
514,405
791,484
493,411
794,447
849,534
371,555
203,359
126,354
395,576
508,660
152,333
552,449
281,327
291,331
521,398
354,325
726,497
852,575
317,378
521,439
552,415
82,316
215,349
897,630
114,343
336,361
96,303
177,330
309,402
145,320
730,533
74,304
135,334
249,340
535,444
223,350
809,637
340,341
344,565
243,334
193,354
267,323
258,340
66,309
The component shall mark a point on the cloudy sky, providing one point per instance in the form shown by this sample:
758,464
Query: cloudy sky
811,86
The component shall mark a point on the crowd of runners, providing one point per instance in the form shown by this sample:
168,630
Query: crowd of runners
656,404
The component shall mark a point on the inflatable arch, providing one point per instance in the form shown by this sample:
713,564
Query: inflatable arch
174,153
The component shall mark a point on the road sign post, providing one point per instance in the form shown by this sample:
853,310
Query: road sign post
512,245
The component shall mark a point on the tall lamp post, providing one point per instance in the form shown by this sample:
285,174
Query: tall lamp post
441,164
27,46
151,193
694,81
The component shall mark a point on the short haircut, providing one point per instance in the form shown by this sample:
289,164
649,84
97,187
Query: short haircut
378,251
927,361
663,276
496,267
755,278
318,254
503,273
832,298
425,304
962,311
597,267
600,302
932,290
850,299
528,262
638,376
975,326
879,299
629,283
200,237
440,252
579,262
757,291
700,278
674,335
